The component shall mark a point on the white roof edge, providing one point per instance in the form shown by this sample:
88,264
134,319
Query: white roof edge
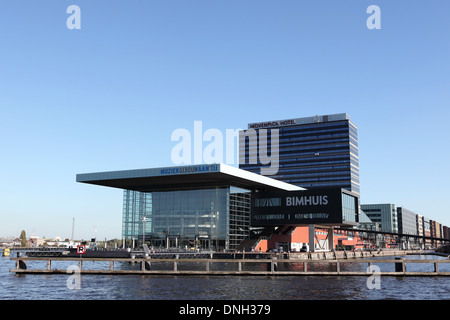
224,168
216,167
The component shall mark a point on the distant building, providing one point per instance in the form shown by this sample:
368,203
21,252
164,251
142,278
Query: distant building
427,231
419,224
9,241
436,232
407,223
384,214
35,241
446,232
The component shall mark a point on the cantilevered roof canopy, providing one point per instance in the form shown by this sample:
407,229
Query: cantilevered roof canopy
184,177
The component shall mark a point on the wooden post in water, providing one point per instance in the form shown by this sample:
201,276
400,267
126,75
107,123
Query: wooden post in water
274,265
21,264
400,266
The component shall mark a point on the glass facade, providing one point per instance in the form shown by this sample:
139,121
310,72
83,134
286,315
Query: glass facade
317,153
210,218
384,214
136,205
349,208
240,208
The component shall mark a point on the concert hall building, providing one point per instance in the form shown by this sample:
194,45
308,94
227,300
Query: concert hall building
215,206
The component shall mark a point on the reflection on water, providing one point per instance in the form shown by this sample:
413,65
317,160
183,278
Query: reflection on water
223,287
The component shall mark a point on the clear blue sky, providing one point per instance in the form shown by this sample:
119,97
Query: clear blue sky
109,96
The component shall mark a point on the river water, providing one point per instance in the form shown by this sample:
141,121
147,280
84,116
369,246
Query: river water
146,287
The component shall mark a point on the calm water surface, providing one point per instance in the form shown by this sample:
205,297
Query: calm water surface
124,287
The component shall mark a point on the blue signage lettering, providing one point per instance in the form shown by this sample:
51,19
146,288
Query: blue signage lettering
170,170
189,169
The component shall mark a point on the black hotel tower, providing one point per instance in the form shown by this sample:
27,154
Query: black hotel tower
318,151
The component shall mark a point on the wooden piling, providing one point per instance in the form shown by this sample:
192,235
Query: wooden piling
272,270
